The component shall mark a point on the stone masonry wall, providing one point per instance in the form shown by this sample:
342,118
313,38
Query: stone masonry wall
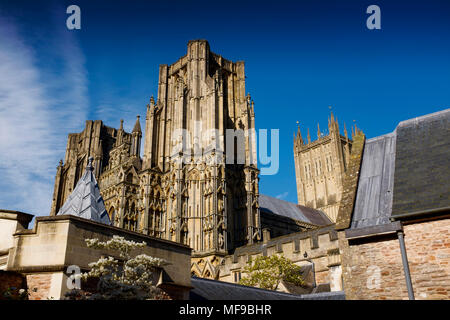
39,286
374,270
428,248
319,245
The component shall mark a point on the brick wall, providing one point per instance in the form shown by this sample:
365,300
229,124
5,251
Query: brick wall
39,285
9,280
428,248
374,270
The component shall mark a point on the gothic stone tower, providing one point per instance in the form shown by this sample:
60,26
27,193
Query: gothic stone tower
116,167
320,167
193,194
185,188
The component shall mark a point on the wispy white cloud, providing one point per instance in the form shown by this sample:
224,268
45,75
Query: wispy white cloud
39,105
282,195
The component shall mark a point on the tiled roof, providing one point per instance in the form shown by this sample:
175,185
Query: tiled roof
292,210
373,204
205,289
85,200
422,166
405,172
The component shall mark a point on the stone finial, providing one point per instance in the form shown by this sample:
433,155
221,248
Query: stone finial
137,125
90,166
152,101
121,124
299,134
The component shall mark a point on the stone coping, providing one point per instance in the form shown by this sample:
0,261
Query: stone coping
16,215
109,230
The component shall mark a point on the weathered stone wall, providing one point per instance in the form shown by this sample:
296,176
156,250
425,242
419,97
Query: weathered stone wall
39,286
10,223
373,269
320,167
44,253
428,247
319,246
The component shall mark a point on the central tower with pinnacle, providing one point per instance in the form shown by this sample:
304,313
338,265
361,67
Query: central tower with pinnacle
195,183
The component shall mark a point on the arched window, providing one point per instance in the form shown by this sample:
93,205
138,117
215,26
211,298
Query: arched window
129,178
130,217
112,214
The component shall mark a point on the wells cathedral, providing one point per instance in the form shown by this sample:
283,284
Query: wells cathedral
371,222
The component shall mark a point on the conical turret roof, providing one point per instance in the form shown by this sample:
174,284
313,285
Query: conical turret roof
85,201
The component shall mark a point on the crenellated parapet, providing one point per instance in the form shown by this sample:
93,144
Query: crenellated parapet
320,167
317,250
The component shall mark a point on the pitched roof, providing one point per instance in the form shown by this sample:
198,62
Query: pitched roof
405,171
205,289
373,204
422,175
85,201
292,210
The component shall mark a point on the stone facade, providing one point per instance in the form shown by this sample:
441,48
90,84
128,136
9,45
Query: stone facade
183,189
373,269
44,253
393,221
10,223
40,286
317,249
320,168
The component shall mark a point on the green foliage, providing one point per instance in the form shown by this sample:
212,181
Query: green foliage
267,272
13,293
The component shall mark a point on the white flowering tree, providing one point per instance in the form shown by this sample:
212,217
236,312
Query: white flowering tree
131,278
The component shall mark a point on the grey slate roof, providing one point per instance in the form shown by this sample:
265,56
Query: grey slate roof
422,168
404,171
373,204
205,289
292,210
85,200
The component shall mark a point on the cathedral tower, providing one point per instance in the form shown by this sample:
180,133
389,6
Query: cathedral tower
197,182
320,166
194,195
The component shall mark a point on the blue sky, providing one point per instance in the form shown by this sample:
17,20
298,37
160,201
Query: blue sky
301,57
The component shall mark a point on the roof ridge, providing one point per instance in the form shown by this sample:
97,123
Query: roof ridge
423,117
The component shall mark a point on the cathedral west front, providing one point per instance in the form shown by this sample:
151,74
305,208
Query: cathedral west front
183,189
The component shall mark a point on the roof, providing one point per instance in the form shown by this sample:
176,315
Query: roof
205,289
292,210
373,204
85,201
422,175
404,172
